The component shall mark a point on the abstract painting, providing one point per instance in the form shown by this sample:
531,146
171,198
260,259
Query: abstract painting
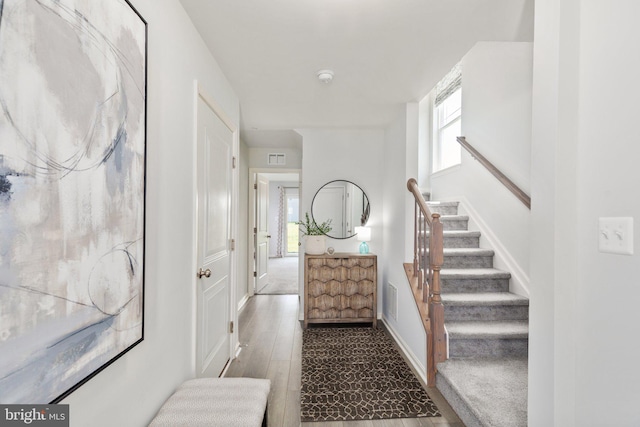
72,192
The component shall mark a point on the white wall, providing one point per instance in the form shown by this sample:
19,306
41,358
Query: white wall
496,120
401,163
354,155
548,376
608,178
584,316
130,391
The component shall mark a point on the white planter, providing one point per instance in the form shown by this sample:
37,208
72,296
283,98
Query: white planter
314,245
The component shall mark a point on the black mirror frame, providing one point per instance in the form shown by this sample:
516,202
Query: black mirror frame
365,215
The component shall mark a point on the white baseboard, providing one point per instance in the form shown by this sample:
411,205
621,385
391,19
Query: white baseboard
416,364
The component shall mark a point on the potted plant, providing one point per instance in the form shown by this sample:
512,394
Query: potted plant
315,235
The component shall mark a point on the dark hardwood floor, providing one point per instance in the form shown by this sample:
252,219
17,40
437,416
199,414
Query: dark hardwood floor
271,342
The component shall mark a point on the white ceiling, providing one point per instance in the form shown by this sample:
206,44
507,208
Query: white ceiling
384,53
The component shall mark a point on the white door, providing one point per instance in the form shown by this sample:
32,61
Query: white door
215,156
262,231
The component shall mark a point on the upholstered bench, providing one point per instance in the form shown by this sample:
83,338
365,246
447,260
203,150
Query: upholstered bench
216,402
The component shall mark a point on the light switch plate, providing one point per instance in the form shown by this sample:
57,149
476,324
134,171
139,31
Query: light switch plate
615,235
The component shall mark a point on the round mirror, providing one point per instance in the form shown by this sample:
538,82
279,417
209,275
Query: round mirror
344,204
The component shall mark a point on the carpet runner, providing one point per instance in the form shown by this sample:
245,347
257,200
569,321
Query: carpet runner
358,374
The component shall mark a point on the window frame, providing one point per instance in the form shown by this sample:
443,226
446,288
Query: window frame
440,124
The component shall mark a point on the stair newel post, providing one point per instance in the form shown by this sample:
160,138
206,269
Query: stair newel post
436,310
436,253
431,362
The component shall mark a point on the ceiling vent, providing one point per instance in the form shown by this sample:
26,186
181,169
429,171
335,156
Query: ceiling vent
325,76
277,159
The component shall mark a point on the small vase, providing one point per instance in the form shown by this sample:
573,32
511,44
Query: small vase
314,245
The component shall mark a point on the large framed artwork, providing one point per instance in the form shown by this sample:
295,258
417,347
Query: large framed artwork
72,192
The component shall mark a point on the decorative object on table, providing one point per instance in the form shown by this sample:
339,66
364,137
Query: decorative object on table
314,235
357,374
330,250
363,234
72,192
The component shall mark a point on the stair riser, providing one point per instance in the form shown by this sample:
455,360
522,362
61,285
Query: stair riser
444,210
472,261
503,312
460,242
468,262
488,347
474,285
455,224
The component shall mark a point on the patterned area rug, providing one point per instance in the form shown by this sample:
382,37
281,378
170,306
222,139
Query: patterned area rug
357,374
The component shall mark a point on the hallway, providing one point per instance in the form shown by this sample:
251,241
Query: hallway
271,341
282,278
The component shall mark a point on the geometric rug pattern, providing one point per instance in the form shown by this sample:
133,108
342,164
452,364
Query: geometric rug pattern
358,374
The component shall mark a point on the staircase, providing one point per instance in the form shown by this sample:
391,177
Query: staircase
485,377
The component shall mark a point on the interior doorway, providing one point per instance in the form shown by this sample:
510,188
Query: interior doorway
215,290
276,208
291,217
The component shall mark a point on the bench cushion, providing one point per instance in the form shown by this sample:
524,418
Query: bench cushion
215,402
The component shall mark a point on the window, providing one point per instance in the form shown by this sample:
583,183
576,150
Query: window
447,121
292,203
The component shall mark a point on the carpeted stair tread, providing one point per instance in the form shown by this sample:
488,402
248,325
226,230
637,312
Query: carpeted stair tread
467,258
452,252
491,329
436,203
474,273
458,233
474,280
486,392
443,208
483,299
466,252
454,218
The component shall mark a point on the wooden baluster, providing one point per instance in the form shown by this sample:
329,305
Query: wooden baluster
427,263
419,243
425,258
433,274
416,265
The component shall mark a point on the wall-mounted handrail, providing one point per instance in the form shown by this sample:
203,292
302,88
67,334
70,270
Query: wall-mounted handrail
517,191
427,262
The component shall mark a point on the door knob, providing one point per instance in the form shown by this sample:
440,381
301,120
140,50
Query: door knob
205,273
268,236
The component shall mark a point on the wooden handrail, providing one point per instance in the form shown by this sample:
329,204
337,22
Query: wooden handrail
424,278
412,186
517,191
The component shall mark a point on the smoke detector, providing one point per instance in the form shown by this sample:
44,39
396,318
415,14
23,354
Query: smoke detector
325,76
